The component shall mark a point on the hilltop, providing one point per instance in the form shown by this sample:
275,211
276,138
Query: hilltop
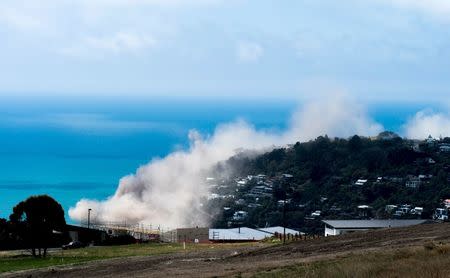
380,177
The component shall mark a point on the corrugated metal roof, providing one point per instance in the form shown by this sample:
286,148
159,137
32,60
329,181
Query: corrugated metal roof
280,230
375,223
242,233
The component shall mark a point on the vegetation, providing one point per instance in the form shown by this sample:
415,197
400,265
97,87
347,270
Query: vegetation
323,173
14,261
35,224
429,261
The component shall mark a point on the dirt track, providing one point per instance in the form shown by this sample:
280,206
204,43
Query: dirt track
245,260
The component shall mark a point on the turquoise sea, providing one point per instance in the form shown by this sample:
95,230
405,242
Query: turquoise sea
73,149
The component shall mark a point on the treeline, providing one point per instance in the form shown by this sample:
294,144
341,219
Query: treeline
324,172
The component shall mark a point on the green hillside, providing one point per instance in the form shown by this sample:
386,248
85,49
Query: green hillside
334,177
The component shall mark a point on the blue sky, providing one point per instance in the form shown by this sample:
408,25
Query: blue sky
374,49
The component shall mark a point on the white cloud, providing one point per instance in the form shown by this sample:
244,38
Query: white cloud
118,43
439,8
166,3
169,191
426,123
249,51
23,19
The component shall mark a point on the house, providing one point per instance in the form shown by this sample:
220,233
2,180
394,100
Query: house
240,215
339,227
441,214
413,182
390,208
431,141
360,182
417,211
445,148
446,203
364,211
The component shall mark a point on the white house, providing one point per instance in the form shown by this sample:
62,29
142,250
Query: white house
413,182
444,148
339,227
360,182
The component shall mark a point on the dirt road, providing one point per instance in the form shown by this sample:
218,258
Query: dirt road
247,260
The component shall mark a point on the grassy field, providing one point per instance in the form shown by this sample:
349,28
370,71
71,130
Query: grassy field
431,260
13,261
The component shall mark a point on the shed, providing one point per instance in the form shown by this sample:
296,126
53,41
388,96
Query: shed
338,227
237,234
280,230
188,235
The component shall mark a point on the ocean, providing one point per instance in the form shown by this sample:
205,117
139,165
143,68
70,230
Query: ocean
73,149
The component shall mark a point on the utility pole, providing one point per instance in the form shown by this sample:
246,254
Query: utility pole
89,218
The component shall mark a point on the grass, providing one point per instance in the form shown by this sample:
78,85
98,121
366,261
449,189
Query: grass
431,260
12,261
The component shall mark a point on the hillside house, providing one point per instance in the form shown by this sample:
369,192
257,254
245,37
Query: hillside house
240,215
413,182
445,148
361,182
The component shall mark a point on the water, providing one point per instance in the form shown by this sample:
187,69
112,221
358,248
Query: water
72,159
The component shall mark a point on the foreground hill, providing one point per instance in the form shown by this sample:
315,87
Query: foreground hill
419,251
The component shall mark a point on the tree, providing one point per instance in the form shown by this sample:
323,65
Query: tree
37,221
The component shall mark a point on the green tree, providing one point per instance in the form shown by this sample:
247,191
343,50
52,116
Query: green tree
37,221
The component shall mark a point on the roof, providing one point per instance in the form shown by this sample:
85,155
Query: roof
242,233
371,224
279,230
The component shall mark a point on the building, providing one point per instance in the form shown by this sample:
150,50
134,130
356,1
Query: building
361,182
280,230
445,148
241,234
188,235
86,235
413,182
339,227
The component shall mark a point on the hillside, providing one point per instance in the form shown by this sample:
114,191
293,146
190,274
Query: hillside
386,176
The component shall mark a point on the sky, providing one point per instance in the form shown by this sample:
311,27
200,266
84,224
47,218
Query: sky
394,50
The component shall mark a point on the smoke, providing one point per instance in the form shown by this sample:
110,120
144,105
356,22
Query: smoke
168,191
426,123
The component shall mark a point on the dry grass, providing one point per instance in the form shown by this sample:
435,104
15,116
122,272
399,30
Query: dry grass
13,260
430,260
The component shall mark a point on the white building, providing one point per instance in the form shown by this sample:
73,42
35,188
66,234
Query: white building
280,230
248,234
237,234
339,227
360,182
